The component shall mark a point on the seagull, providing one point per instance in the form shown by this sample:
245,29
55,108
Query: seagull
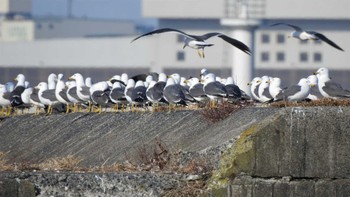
301,34
72,94
19,88
116,94
297,92
254,87
173,93
99,93
232,89
138,95
328,88
47,96
61,92
198,41
263,92
314,91
5,100
83,91
275,87
214,89
196,90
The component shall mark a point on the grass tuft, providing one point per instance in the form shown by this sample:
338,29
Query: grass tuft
223,110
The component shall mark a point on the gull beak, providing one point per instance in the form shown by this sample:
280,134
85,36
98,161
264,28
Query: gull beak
201,81
186,81
268,81
315,73
184,47
70,78
15,79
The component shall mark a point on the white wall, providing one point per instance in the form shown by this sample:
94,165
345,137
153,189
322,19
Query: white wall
104,52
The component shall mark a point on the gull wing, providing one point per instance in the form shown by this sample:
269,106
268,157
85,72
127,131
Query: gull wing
215,88
240,45
164,30
296,28
335,89
291,91
325,39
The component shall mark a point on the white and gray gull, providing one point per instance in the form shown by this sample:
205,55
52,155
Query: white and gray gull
328,88
198,41
301,34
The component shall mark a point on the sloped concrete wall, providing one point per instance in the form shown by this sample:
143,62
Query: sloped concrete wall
275,151
106,138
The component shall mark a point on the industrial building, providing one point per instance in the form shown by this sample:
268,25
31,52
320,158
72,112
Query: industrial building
103,53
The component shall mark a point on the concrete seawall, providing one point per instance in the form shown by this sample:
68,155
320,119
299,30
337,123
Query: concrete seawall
296,149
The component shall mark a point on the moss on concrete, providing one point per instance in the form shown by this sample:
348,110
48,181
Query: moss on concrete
240,158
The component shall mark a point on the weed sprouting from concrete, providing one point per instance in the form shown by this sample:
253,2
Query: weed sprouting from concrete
3,163
223,110
68,163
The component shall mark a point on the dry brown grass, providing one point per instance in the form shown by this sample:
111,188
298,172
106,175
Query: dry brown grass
68,163
3,163
223,110
321,102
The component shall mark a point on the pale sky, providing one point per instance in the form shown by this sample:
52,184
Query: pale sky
106,9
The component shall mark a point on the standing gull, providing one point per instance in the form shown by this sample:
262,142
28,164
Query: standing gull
264,93
214,89
232,89
72,94
254,88
275,87
173,93
328,88
116,94
82,90
5,100
301,34
198,41
297,92
19,88
314,91
99,93
196,90
61,92
46,96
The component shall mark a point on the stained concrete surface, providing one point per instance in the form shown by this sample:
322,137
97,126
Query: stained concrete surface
276,152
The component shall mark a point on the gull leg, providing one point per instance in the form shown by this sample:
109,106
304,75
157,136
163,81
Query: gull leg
199,53
67,108
203,56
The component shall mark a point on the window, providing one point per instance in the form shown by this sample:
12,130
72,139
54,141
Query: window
265,56
303,41
38,26
317,41
317,57
280,57
280,38
303,57
265,38
180,38
180,56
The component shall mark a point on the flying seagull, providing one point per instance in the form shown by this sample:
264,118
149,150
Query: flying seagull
301,34
198,41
